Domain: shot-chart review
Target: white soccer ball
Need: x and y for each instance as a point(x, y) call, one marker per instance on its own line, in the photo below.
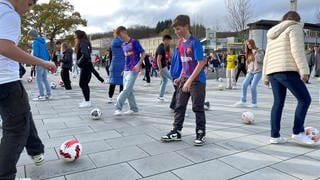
point(95, 114)
point(220, 79)
point(70, 150)
point(221, 87)
point(312, 133)
point(53, 85)
point(248, 117)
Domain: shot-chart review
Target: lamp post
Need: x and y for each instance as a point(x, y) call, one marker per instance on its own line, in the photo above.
point(293, 5)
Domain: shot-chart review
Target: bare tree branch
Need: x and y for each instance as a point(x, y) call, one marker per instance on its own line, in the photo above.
point(238, 13)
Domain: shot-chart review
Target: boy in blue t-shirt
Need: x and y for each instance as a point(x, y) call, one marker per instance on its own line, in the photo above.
point(192, 82)
point(134, 56)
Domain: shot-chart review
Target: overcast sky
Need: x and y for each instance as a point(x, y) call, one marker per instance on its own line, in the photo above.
point(105, 15)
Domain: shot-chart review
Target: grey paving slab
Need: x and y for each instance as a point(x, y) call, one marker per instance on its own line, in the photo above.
point(209, 170)
point(69, 131)
point(163, 176)
point(314, 155)
point(249, 160)
point(301, 167)
point(266, 174)
point(115, 172)
point(58, 168)
point(97, 136)
point(57, 178)
point(129, 141)
point(159, 163)
point(20, 172)
point(158, 147)
point(117, 156)
point(56, 141)
point(94, 147)
point(204, 153)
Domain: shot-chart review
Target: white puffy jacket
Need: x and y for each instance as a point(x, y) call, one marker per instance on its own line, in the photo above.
point(285, 49)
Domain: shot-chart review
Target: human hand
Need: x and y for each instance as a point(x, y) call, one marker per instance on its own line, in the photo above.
point(304, 78)
point(50, 66)
point(176, 81)
point(187, 85)
point(266, 83)
point(160, 73)
point(136, 68)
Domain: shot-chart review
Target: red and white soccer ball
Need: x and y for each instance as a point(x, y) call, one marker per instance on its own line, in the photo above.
point(248, 117)
point(30, 80)
point(70, 150)
point(61, 83)
point(312, 133)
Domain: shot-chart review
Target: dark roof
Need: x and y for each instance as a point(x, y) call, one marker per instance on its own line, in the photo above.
point(227, 34)
point(267, 24)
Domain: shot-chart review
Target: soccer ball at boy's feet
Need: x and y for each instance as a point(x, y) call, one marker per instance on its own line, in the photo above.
point(248, 117)
point(221, 87)
point(30, 79)
point(312, 133)
point(95, 114)
point(70, 150)
point(53, 85)
point(220, 79)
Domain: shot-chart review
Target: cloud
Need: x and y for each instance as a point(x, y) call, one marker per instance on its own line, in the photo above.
point(104, 16)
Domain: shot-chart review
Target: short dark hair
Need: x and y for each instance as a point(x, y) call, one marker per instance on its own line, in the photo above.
point(120, 29)
point(291, 15)
point(166, 37)
point(58, 42)
point(181, 20)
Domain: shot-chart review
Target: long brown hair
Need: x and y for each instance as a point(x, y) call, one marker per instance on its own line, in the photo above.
point(249, 53)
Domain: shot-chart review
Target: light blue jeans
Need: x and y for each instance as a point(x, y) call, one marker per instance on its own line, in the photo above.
point(253, 79)
point(42, 80)
point(164, 79)
point(129, 78)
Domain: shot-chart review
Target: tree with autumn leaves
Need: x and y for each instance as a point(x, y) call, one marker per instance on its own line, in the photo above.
point(56, 19)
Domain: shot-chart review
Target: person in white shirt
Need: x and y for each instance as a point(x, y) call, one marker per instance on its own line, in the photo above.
point(18, 129)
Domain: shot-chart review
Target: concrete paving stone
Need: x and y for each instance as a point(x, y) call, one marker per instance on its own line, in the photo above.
point(58, 168)
point(249, 160)
point(301, 167)
point(53, 125)
point(50, 154)
point(20, 172)
point(45, 116)
point(314, 154)
point(230, 133)
point(94, 147)
point(57, 178)
point(128, 131)
point(159, 163)
point(284, 151)
point(129, 141)
point(61, 119)
point(117, 156)
point(204, 153)
point(163, 176)
point(214, 169)
point(117, 172)
point(108, 126)
point(56, 141)
point(69, 131)
point(266, 174)
point(158, 147)
point(97, 136)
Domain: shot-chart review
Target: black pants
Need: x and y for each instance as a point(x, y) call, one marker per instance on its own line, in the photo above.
point(85, 77)
point(18, 129)
point(147, 74)
point(112, 87)
point(174, 98)
point(107, 68)
point(197, 94)
point(241, 69)
point(95, 73)
point(66, 78)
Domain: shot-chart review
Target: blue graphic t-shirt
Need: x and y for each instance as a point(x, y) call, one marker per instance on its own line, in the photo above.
point(131, 50)
point(190, 52)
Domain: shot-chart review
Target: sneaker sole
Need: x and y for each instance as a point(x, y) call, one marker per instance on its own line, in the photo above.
point(199, 144)
point(304, 144)
point(169, 140)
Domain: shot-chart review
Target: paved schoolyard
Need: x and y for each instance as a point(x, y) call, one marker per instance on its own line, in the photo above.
point(129, 147)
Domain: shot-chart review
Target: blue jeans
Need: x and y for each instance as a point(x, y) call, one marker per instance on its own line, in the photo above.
point(42, 80)
point(254, 80)
point(164, 79)
point(280, 82)
point(129, 78)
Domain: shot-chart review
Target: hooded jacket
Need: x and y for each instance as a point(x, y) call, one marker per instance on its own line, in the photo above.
point(285, 49)
point(39, 49)
point(67, 59)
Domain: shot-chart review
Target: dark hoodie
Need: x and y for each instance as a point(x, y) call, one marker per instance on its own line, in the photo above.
point(67, 59)
point(39, 49)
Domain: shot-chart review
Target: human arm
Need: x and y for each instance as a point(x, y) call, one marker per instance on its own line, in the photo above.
point(10, 50)
point(139, 48)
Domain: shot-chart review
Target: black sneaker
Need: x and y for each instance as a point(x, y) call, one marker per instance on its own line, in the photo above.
point(207, 105)
point(173, 135)
point(200, 138)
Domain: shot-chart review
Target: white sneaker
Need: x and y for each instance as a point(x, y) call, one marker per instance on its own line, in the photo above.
point(38, 159)
point(252, 106)
point(160, 99)
point(39, 98)
point(117, 113)
point(130, 112)
point(49, 97)
point(110, 101)
point(278, 140)
point(239, 104)
point(85, 104)
point(302, 139)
